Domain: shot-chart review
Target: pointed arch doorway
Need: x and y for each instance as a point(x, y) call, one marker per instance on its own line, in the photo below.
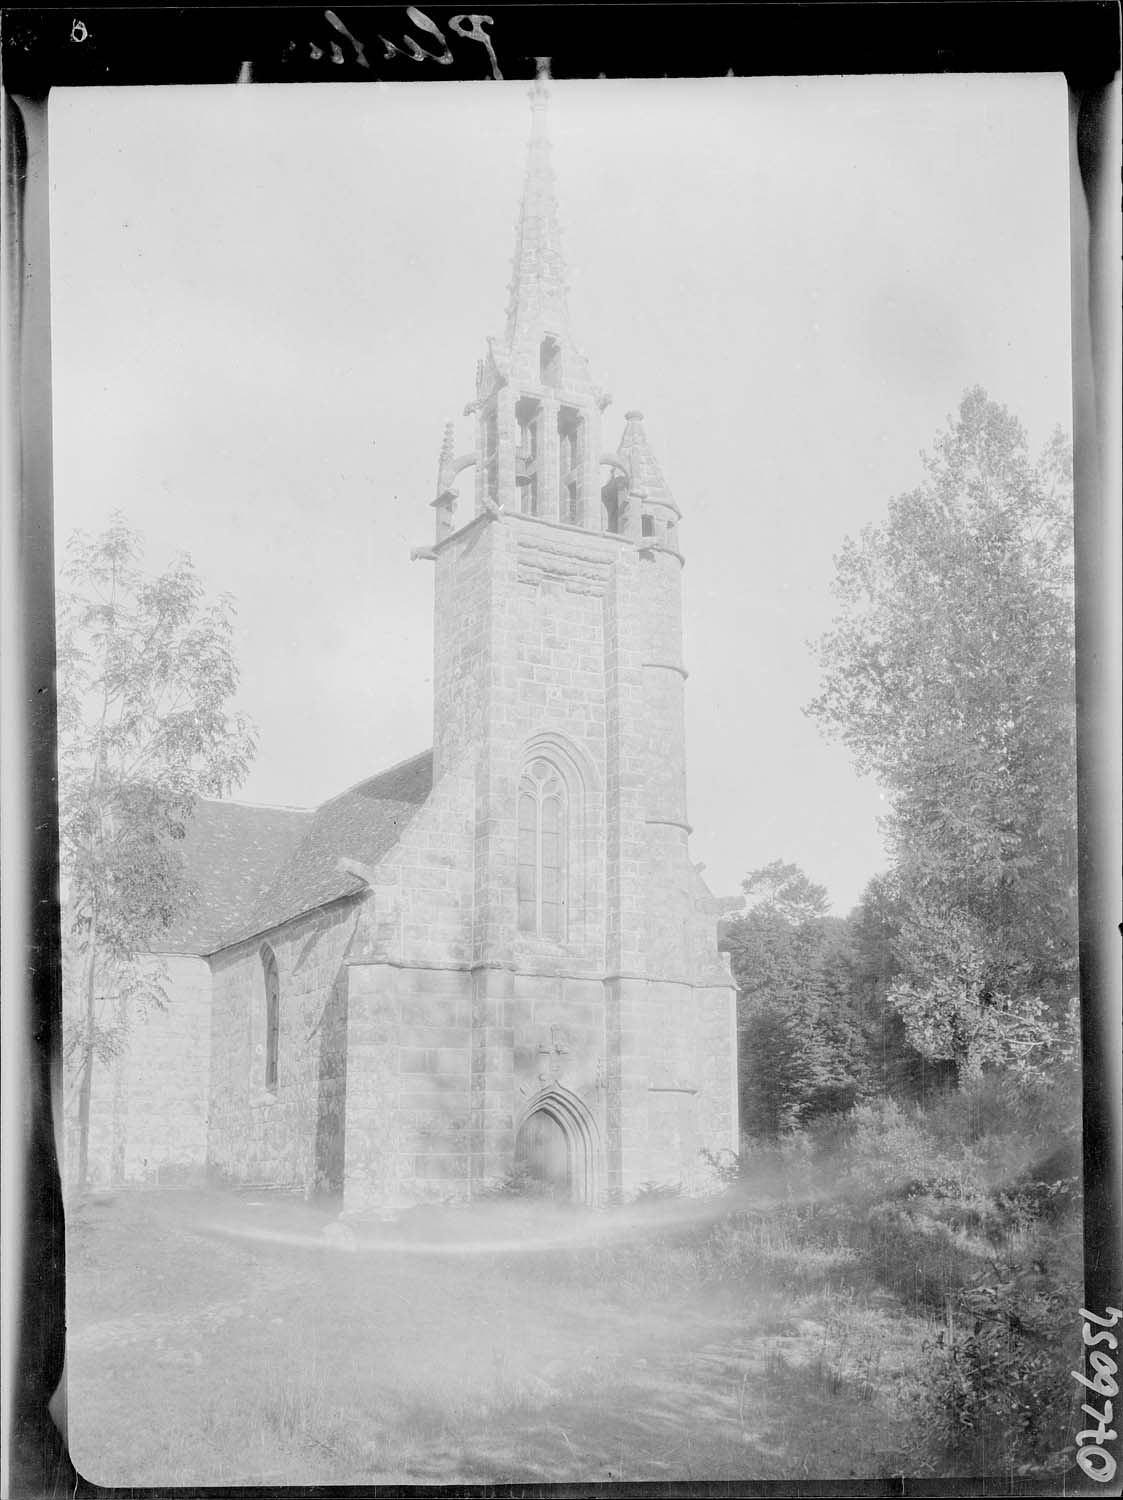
point(555, 1148)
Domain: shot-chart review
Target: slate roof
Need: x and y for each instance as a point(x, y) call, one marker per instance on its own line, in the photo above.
point(232, 851)
point(363, 824)
point(255, 868)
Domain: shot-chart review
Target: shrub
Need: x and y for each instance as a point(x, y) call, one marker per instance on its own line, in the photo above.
point(657, 1192)
point(518, 1182)
point(718, 1171)
point(996, 1395)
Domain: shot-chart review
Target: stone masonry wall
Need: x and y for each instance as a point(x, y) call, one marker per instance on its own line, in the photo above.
point(148, 1108)
point(419, 907)
point(408, 1097)
point(291, 1135)
point(537, 671)
point(409, 1010)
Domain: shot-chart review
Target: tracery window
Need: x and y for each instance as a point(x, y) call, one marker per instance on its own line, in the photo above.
point(272, 1017)
point(541, 870)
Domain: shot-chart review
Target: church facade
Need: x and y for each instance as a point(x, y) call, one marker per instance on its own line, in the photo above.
point(493, 963)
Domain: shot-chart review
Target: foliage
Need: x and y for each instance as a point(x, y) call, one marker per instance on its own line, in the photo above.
point(896, 1066)
point(145, 675)
point(944, 1237)
point(720, 1170)
point(520, 1181)
point(998, 1392)
point(657, 1192)
point(949, 676)
point(968, 1211)
point(801, 1049)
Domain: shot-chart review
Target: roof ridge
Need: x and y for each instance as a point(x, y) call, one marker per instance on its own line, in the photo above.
point(377, 776)
point(264, 806)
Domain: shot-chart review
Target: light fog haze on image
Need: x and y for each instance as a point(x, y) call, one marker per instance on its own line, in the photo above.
point(267, 301)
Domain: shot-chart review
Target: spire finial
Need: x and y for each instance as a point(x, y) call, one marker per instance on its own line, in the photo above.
point(538, 285)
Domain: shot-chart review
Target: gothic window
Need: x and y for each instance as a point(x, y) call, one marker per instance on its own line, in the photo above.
point(541, 870)
point(272, 1017)
point(570, 459)
point(648, 525)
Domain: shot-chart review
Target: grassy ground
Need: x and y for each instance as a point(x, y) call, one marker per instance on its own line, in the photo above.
point(222, 1339)
point(891, 1292)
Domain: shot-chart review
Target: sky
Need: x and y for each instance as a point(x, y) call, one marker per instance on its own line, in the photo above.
point(267, 300)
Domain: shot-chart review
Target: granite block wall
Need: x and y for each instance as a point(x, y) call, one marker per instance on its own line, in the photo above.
point(148, 1107)
point(290, 1135)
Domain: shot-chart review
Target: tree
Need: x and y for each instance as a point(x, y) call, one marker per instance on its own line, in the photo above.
point(949, 674)
point(800, 1053)
point(145, 676)
point(896, 1066)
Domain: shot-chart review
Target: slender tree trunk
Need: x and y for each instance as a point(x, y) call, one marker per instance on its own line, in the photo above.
point(85, 1089)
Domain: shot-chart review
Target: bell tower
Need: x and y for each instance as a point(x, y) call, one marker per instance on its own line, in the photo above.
point(598, 994)
point(537, 411)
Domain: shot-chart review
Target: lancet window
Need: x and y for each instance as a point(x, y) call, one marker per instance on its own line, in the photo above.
point(272, 1017)
point(541, 866)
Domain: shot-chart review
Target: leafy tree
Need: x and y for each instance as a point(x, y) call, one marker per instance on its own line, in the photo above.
point(949, 674)
point(896, 1066)
point(783, 890)
point(145, 676)
point(800, 1054)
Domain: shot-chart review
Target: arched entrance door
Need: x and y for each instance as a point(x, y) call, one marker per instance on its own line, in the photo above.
point(555, 1148)
point(542, 1156)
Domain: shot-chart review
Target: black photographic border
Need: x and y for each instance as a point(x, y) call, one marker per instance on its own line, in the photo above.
point(91, 46)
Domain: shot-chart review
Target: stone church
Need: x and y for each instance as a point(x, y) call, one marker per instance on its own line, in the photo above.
point(494, 962)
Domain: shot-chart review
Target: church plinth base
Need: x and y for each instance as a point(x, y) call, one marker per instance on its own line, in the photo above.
point(491, 1134)
point(628, 1069)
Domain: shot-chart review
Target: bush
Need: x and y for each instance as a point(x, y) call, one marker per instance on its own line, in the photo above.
point(657, 1192)
point(718, 1171)
point(518, 1182)
point(996, 1395)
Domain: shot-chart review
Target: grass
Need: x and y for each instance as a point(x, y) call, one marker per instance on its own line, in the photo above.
point(637, 1359)
point(899, 1304)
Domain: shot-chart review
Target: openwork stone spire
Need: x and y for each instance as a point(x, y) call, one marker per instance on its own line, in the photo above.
point(538, 286)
